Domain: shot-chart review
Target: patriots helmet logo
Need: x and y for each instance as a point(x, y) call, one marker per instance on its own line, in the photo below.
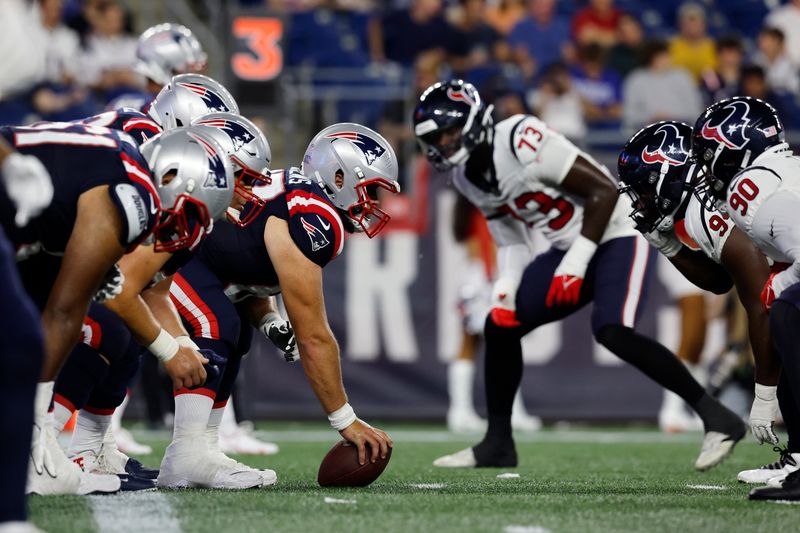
point(729, 130)
point(671, 150)
point(370, 147)
point(216, 168)
point(318, 239)
point(240, 137)
point(212, 100)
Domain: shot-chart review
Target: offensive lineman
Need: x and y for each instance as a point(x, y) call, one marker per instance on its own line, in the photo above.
point(753, 176)
point(656, 173)
point(520, 173)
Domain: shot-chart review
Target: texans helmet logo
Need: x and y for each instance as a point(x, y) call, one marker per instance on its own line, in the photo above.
point(212, 99)
point(370, 147)
point(461, 95)
point(671, 150)
point(730, 130)
point(241, 138)
point(216, 168)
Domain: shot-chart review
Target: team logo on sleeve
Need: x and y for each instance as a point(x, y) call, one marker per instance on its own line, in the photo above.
point(672, 149)
point(212, 100)
point(730, 129)
point(371, 148)
point(318, 239)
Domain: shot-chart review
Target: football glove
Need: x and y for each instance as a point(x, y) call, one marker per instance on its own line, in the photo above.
point(111, 286)
point(214, 367)
point(665, 242)
point(776, 284)
point(763, 414)
point(504, 293)
point(565, 289)
point(281, 334)
point(28, 185)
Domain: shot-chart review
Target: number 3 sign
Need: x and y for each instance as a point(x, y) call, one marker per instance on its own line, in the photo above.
point(263, 58)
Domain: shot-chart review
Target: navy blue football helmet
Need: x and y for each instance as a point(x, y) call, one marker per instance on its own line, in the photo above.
point(726, 139)
point(654, 172)
point(450, 120)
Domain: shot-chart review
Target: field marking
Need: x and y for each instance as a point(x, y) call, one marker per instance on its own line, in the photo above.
point(149, 511)
point(508, 475)
point(525, 529)
point(785, 502)
point(707, 487)
point(428, 486)
point(338, 501)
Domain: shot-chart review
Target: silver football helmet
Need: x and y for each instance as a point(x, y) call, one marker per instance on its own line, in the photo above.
point(351, 163)
point(188, 96)
point(165, 50)
point(250, 156)
point(195, 183)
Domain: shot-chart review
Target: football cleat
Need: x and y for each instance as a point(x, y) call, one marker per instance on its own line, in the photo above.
point(268, 477)
point(716, 447)
point(789, 490)
point(49, 470)
point(465, 421)
point(463, 459)
point(99, 484)
point(785, 465)
point(189, 465)
point(96, 465)
point(120, 462)
point(240, 439)
point(19, 527)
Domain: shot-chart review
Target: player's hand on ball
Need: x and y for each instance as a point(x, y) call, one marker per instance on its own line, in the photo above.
point(28, 185)
point(362, 434)
point(763, 414)
point(186, 368)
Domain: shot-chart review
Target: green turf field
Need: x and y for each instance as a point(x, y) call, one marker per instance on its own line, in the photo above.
point(570, 481)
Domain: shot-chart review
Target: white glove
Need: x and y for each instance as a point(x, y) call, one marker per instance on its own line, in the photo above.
point(280, 332)
point(763, 414)
point(28, 185)
point(111, 287)
point(665, 242)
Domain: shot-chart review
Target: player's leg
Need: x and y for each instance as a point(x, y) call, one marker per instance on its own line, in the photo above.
point(503, 364)
point(624, 268)
point(21, 352)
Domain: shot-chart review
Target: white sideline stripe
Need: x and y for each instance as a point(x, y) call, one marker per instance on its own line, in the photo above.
point(139, 511)
point(707, 487)
point(338, 501)
point(525, 529)
point(427, 486)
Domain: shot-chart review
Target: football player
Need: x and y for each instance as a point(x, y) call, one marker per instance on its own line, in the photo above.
point(656, 173)
point(105, 202)
point(520, 173)
point(299, 231)
point(27, 183)
point(163, 51)
point(750, 174)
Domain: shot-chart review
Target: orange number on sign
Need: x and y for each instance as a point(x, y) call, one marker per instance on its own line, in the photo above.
point(264, 60)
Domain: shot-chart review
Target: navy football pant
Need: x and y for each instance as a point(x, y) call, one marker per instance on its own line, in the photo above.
point(784, 322)
point(21, 355)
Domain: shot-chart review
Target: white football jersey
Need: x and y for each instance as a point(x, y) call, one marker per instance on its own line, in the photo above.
point(764, 201)
point(704, 230)
point(530, 162)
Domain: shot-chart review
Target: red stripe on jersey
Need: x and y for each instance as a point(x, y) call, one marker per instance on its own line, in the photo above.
point(200, 306)
point(142, 177)
point(141, 123)
point(300, 202)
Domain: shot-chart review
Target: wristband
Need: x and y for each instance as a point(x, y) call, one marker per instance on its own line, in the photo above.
point(268, 319)
point(766, 393)
point(164, 347)
point(577, 258)
point(342, 417)
point(186, 342)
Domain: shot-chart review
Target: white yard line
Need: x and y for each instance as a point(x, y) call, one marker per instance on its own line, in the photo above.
point(707, 487)
point(427, 486)
point(140, 511)
point(525, 529)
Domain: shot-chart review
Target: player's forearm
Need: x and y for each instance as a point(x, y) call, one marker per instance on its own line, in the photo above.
point(767, 364)
point(61, 327)
point(254, 309)
point(702, 271)
point(136, 314)
point(598, 208)
point(164, 312)
point(320, 358)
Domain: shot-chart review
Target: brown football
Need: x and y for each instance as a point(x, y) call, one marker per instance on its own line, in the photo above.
point(340, 467)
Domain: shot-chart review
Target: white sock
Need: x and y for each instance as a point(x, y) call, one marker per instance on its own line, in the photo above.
point(212, 430)
point(116, 418)
point(460, 374)
point(90, 429)
point(44, 393)
point(228, 422)
point(61, 415)
point(192, 412)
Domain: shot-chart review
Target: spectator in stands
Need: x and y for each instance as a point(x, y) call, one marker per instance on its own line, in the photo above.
point(109, 53)
point(692, 48)
point(772, 57)
point(787, 19)
point(23, 64)
point(723, 82)
point(484, 45)
point(597, 23)
point(503, 15)
point(400, 36)
point(558, 103)
point(541, 38)
point(658, 90)
point(754, 83)
point(599, 87)
point(60, 98)
point(624, 56)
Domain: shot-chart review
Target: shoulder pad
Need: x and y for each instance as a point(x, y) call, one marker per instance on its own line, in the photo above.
point(138, 125)
point(524, 135)
point(314, 224)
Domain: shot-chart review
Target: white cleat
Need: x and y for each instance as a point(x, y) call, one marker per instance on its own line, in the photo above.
point(716, 447)
point(99, 484)
point(268, 477)
point(465, 421)
point(463, 459)
point(19, 527)
point(187, 465)
point(525, 423)
point(240, 440)
point(49, 470)
point(128, 445)
point(785, 465)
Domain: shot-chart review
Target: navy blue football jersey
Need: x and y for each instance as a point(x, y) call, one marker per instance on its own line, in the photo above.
point(135, 123)
point(81, 157)
point(239, 256)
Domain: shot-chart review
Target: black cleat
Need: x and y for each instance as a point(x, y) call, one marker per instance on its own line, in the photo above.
point(789, 491)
